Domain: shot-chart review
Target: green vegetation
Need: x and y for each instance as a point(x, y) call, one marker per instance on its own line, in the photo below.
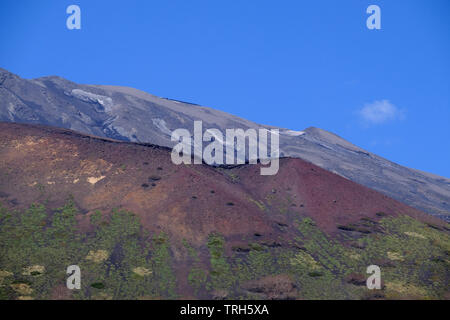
point(220, 274)
point(121, 260)
point(197, 276)
point(417, 261)
point(117, 258)
point(98, 285)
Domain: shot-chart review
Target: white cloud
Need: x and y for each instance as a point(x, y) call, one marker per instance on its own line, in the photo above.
point(379, 112)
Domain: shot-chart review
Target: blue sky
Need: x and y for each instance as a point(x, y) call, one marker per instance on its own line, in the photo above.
point(291, 64)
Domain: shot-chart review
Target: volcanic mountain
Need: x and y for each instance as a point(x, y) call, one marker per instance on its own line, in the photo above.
point(141, 227)
point(132, 115)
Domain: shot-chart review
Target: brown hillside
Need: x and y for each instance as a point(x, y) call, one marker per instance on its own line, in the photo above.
point(187, 202)
point(40, 163)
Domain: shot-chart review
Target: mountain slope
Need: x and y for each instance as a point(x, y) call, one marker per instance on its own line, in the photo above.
point(132, 115)
point(197, 231)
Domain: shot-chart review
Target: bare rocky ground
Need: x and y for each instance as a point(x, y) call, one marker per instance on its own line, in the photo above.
point(132, 115)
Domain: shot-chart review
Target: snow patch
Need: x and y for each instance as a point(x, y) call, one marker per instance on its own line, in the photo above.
point(293, 133)
point(11, 111)
point(105, 102)
point(161, 125)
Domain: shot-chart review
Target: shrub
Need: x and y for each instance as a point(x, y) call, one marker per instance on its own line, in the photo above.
point(98, 285)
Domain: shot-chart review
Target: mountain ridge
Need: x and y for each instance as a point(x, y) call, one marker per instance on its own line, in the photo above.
point(129, 114)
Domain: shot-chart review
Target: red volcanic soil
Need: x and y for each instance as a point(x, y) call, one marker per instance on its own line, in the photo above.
point(40, 163)
point(329, 199)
